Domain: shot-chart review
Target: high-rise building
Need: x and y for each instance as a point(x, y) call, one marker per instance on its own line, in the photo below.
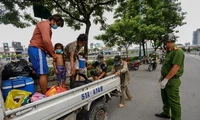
point(196, 37)
point(5, 47)
point(18, 47)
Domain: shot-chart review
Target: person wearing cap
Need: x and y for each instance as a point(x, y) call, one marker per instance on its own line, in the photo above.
point(71, 53)
point(120, 68)
point(40, 45)
point(171, 71)
point(100, 68)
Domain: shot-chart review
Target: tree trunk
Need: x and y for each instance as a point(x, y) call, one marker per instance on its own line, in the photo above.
point(126, 52)
point(143, 46)
point(87, 29)
point(144, 52)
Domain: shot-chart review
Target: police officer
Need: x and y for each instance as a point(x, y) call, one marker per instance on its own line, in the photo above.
point(171, 71)
point(100, 68)
point(120, 68)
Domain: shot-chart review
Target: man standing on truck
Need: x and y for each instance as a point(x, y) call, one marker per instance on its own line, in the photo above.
point(100, 68)
point(120, 68)
point(40, 45)
point(171, 71)
point(71, 54)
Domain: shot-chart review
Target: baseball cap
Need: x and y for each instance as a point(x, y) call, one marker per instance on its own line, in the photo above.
point(169, 37)
point(117, 58)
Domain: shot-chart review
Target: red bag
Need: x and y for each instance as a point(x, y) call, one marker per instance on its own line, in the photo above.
point(55, 90)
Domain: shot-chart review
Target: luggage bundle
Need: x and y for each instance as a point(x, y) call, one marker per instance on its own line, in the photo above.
point(18, 68)
point(76, 83)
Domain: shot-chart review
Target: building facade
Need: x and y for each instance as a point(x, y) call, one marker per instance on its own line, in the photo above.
point(196, 37)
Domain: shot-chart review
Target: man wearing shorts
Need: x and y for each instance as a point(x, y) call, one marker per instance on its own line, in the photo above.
point(40, 45)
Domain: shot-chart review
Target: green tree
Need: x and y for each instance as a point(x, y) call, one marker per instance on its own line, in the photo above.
point(156, 17)
point(19, 56)
point(76, 13)
point(13, 56)
point(4, 56)
point(96, 49)
point(120, 33)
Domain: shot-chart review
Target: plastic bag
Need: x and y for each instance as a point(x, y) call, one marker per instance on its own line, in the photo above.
point(14, 69)
point(76, 64)
point(15, 98)
point(55, 90)
point(37, 96)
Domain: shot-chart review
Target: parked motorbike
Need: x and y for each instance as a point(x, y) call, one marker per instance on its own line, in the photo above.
point(152, 64)
point(162, 59)
point(134, 66)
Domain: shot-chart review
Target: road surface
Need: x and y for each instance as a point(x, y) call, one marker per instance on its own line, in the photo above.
point(146, 91)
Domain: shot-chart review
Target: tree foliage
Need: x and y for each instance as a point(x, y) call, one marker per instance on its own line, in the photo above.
point(156, 17)
point(121, 33)
point(76, 13)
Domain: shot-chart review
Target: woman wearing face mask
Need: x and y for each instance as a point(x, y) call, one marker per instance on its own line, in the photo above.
point(71, 54)
point(120, 68)
point(40, 45)
point(100, 68)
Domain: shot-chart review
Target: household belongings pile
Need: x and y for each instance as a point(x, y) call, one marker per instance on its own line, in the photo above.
point(18, 86)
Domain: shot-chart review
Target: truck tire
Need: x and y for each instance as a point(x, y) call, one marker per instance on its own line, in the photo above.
point(98, 111)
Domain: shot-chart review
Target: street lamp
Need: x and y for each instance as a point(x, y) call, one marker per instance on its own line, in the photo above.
point(140, 53)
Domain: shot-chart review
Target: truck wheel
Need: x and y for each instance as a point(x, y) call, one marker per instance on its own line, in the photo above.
point(98, 111)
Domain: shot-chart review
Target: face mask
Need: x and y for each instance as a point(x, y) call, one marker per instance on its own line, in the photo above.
point(117, 64)
point(80, 45)
point(54, 26)
point(58, 51)
point(98, 61)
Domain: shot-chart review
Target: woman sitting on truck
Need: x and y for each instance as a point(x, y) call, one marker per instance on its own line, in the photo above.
point(100, 68)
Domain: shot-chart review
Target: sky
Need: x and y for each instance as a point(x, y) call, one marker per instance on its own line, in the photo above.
point(65, 35)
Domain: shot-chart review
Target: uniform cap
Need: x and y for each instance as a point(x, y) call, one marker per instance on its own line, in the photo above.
point(169, 37)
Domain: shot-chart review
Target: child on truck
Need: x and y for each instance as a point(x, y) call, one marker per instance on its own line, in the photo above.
point(59, 65)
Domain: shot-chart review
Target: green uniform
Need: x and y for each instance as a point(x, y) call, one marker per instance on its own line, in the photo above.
point(124, 79)
point(170, 94)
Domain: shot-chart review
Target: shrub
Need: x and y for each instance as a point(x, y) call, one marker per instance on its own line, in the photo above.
point(110, 68)
point(109, 61)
